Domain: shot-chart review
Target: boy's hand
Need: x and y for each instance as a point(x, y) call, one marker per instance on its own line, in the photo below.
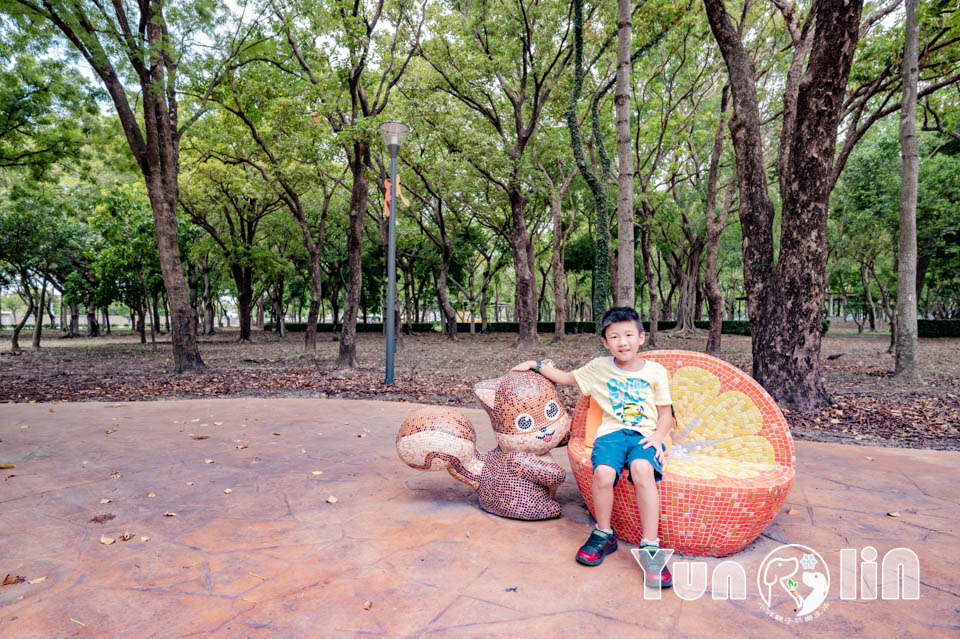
point(528, 365)
point(656, 441)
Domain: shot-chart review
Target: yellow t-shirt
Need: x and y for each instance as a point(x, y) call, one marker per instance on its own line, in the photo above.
point(629, 399)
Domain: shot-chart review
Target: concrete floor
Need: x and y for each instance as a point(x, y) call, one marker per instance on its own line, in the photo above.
point(401, 553)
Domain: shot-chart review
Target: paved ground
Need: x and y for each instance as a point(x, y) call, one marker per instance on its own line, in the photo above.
point(401, 553)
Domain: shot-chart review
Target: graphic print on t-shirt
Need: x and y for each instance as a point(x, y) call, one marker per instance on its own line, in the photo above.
point(626, 399)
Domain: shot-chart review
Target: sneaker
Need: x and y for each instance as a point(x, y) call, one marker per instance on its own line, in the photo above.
point(655, 572)
point(599, 544)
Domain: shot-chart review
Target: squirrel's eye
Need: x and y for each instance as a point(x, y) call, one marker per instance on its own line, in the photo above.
point(551, 410)
point(523, 422)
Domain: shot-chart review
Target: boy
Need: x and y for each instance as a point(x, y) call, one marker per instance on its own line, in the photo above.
point(634, 394)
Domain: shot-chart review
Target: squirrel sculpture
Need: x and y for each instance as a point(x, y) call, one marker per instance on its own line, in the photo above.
point(519, 477)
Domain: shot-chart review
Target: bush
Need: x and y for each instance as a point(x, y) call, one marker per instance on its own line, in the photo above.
point(742, 327)
point(938, 328)
point(327, 327)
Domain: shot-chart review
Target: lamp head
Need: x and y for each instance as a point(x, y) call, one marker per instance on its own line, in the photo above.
point(394, 133)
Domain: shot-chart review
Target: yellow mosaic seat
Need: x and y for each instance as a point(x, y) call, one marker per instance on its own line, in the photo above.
point(729, 464)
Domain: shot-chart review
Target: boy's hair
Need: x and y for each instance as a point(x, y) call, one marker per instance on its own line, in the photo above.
point(619, 314)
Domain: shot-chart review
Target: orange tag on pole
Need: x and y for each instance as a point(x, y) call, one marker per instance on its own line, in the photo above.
point(386, 199)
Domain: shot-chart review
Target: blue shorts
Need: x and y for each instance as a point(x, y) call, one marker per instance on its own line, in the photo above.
point(618, 450)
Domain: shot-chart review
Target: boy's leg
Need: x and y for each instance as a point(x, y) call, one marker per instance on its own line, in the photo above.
point(604, 477)
point(648, 497)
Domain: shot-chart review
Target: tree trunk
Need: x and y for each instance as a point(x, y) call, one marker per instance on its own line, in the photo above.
point(689, 276)
point(625, 245)
point(907, 366)
point(74, 318)
point(243, 280)
point(15, 338)
point(316, 296)
point(559, 279)
point(38, 320)
point(785, 301)
point(868, 296)
point(648, 272)
point(347, 355)
point(714, 229)
point(93, 327)
point(525, 290)
point(194, 293)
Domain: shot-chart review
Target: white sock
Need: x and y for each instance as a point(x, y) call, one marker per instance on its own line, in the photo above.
point(650, 542)
point(608, 531)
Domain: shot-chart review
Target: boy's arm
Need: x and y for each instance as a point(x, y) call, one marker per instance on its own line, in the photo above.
point(664, 424)
point(548, 370)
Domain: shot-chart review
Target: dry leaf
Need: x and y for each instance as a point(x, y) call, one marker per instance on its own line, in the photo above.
point(361, 434)
point(317, 472)
point(169, 514)
point(194, 420)
point(203, 424)
point(79, 622)
point(870, 459)
point(253, 574)
point(25, 426)
point(208, 461)
point(893, 514)
point(127, 536)
point(332, 500)
point(38, 580)
point(189, 483)
point(793, 511)
point(8, 465)
point(116, 406)
point(100, 519)
point(151, 494)
point(115, 475)
point(303, 451)
point(143, 539)
point(276, 433)
point(109, 432)
point(241, 446)
point(227, 490)
point(367, 605)
point(198, 437)
point(218, 423)
point(10, 580)
point(106, 541)
point(105, 501)
point(85, 463)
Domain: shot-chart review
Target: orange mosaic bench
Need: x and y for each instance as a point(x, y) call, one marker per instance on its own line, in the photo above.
point(729, 463)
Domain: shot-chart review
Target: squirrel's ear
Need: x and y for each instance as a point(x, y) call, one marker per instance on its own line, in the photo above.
point(486, 391)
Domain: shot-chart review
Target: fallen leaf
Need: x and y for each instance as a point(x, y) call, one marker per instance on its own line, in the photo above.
point(870, 459)
point(189, 483)
point(253, 574)
point(127, 536)
point(332, 500)
point(116, 406)
point(203, 424)
point(79, 622)
point(85, 463)
point(105, 501)
point(38, 580)
point(191, 436)
point(241, 446)
point(106, 541)
point(276, 433)
point(208, 461)
point(194, 420)
point(793, 511)
point(166, 514)
point(218, 423)
point(227, 490)
point(11, 580)
point(25, 426)
point(143, 539)
point(303, 451)
point(367, 605)
point(51, 410)
point(893, 514)
point(151, 494)
point(115, 475)
point(317, 472)
point(109, 432)
point(8, 465)
point(361, 434)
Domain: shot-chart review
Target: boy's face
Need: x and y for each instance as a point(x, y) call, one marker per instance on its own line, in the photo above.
point(623, 340)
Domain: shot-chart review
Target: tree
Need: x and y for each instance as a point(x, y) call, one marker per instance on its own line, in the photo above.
point(907, 366)
point(503, 72)
point(785, 300)
point(626, 253)
point(152, 48)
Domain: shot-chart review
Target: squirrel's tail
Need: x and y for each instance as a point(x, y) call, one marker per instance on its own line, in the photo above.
point(438, 438)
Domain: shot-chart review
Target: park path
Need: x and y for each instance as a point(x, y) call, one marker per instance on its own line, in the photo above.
point(397, 552)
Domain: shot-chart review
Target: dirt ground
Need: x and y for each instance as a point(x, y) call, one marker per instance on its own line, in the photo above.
point(867, 407)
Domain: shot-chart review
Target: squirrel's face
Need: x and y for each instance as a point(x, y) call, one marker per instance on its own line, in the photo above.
point(525, 412)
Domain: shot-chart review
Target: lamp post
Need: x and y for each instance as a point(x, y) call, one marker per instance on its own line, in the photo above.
point(393, 135)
